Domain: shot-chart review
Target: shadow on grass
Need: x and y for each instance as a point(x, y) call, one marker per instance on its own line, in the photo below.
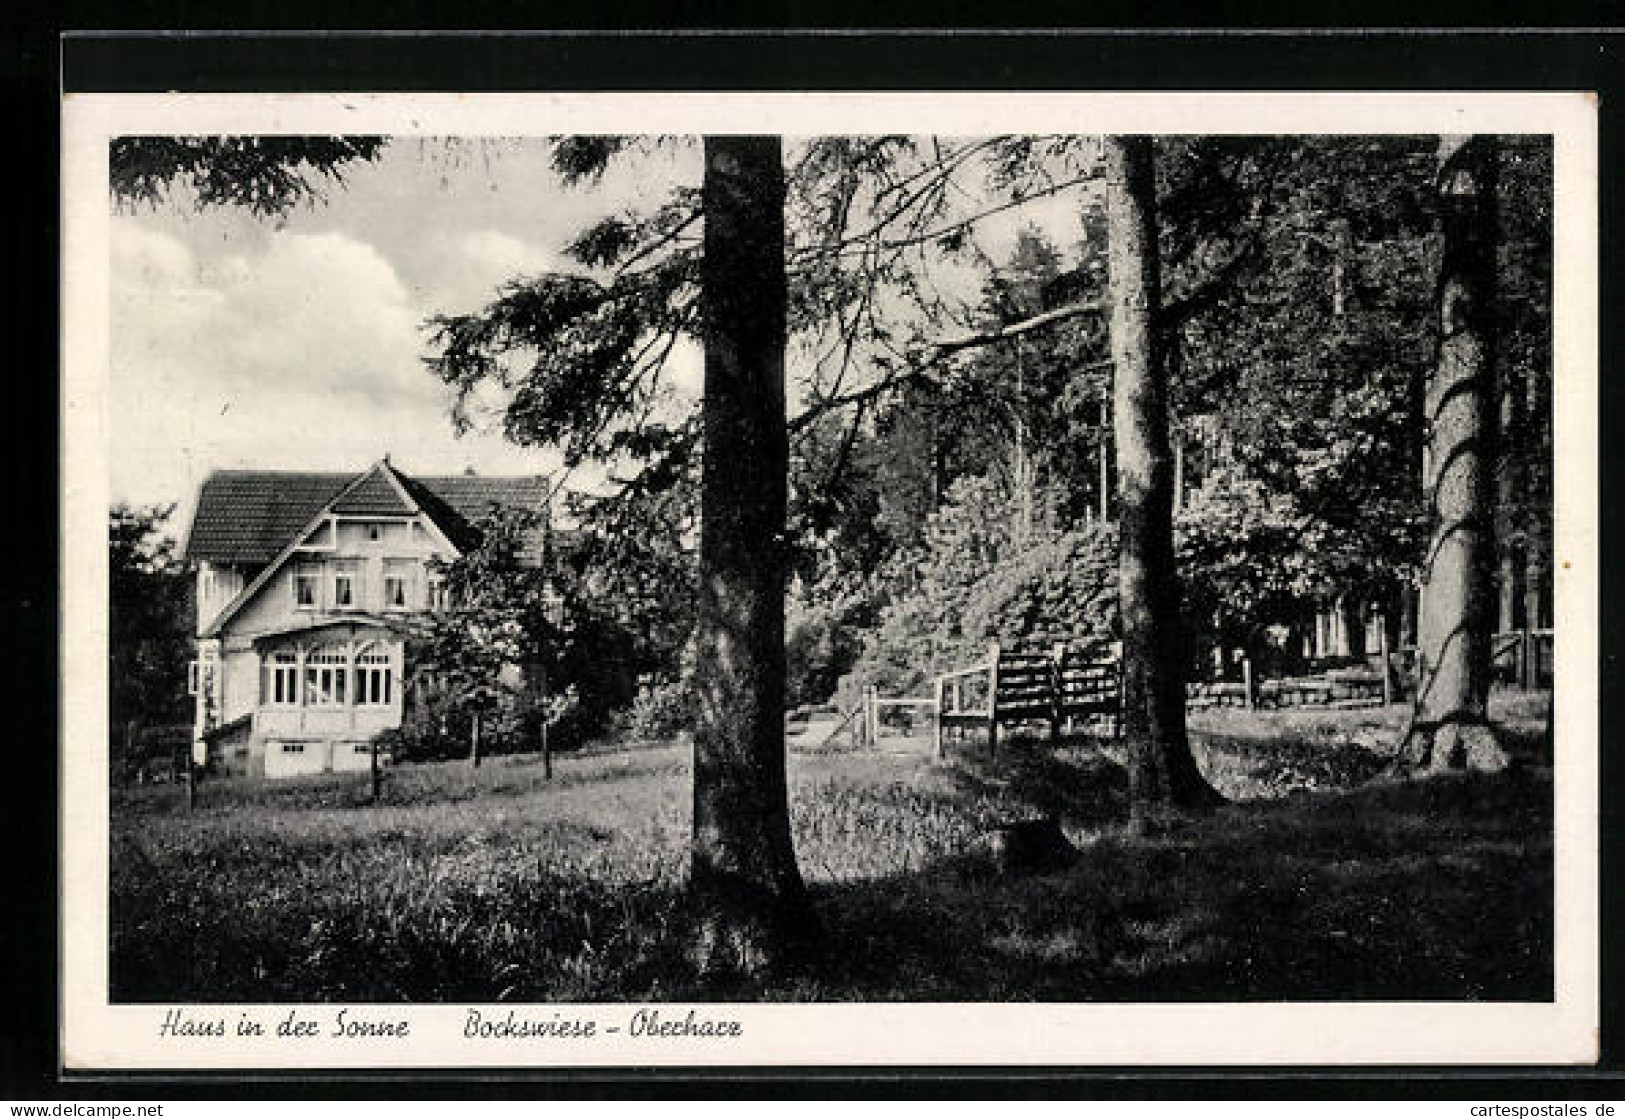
point(1430, 890)
point(1377, 893)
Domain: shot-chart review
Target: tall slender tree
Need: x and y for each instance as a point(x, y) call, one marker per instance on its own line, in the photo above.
point(1163, 776)
point(744, 878)
point(1450, 726)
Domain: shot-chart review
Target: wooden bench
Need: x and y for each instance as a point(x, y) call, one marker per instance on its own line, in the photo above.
point(1338, 688)
point(1087, 688)
point(1011, 688)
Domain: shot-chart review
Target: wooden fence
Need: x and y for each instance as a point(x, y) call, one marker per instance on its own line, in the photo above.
point(1064, 686)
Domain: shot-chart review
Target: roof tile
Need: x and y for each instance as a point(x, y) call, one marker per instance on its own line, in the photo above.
point(248, 517)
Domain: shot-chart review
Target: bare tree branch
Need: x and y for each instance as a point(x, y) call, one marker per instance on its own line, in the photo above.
point(1016, 329)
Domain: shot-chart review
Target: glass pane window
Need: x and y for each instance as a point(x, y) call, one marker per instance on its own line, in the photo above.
point(304, 590)
point(325, 677)
point(399, 584)
point(372, 678)
point(343, 589)
point(282, 678)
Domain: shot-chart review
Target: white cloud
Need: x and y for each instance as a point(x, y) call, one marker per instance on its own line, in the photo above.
point(508, 256)
point(297, 344)
point(303, 353)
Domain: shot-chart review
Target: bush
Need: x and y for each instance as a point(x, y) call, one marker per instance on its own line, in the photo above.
point(1061, 589)
point(569, 723)
point(156, 753)
point(822, 642)
point(661, 711)
point(438, 724)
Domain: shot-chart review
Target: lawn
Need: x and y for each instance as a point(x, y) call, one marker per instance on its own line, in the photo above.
point(495, 884)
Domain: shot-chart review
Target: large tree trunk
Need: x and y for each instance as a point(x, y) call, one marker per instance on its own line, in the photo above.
point(751, 904)
point(1163, 777)
point(1537, 522)
point(1509, 487)
point(1450, 727)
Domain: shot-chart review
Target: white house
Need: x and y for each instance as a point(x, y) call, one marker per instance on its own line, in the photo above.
point(307, 587)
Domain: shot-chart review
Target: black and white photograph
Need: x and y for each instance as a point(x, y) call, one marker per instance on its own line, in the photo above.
point(596, 584)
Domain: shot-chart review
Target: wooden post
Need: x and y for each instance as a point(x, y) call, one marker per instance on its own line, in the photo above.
point(474, 746)
point(1117, 717)
point(1526, 658)
point(993, 700)
point(1057, 688)
point(1104, 469)
point(191, 779)
point(547, 746)
point(871, 724)
point(1179, 469)
point(1247, 682)
point(1387, 666)
point(939, 690)
point(373, 769)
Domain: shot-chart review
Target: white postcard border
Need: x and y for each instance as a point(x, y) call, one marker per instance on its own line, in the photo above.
point(96, 1035)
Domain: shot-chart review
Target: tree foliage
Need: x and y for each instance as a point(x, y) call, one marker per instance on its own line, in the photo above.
point(266, 175)
point(149, 631)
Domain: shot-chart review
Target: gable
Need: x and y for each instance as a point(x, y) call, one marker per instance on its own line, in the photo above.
point(373, 496)
point(240, 510)
point(249, 517)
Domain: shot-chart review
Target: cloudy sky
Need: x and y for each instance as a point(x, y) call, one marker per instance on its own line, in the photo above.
point(297, 344)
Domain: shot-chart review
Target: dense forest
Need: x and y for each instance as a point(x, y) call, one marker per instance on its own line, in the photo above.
point(946, 495)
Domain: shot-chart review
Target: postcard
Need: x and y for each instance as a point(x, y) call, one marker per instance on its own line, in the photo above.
point(839, 579)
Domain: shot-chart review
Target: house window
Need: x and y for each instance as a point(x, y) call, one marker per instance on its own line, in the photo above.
point(363, 747)
point(372, 679)
point(343, 590)
point(374, 532)
point(293, 747)
point(304, 589)
point(397, 584)
point(439, 598)
point(282, 678)
point(326, 670)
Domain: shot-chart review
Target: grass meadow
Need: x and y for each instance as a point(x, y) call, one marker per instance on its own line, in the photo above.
point(495, 884)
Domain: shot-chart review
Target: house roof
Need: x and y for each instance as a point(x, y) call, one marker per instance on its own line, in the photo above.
point(250, 517)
